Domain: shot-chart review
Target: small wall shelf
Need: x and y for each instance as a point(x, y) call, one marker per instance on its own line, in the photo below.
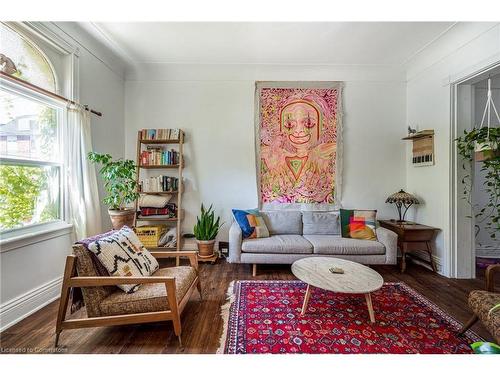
point(423, 147)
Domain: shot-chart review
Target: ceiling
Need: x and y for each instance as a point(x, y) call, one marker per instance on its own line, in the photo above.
point(335, 43)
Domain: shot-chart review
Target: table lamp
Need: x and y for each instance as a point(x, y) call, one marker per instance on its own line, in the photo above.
point(402, 199)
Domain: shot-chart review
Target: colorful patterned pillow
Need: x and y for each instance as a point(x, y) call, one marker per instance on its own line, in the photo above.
point(122, 254)
point(359, 224)
point(251, 223)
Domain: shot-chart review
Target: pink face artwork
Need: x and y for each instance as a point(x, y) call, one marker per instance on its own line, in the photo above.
point(299, 121)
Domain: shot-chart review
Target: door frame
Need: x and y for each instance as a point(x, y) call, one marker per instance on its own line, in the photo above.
point(462, 259)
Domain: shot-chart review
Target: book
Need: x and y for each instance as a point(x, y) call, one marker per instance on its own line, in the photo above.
point(161, 134)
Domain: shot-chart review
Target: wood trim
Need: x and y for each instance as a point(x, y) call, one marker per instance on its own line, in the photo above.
point(186, 297)
point(87, 281)
point(490, 276)
point(114, 320)
point(192, 255)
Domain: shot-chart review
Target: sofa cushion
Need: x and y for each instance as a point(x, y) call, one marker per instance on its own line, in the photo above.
point(278, 244)
point(251, 222)
point(336, 245)
point(321, 222)
point(283, 222)
point(359, 224)
point(150, 297)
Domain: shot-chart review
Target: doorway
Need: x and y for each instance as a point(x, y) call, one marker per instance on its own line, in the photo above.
point(472, 245)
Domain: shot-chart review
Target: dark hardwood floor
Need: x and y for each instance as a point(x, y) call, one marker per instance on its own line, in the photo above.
point(201, 321)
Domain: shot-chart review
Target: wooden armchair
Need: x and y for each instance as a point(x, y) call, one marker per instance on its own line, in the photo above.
point(481, 302)
point(161, 296)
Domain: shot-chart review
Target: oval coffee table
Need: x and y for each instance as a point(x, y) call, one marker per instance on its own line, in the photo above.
point(356, 279)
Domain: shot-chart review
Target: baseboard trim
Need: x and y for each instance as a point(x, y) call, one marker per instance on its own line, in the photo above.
point(488, 252)
point(19, 308)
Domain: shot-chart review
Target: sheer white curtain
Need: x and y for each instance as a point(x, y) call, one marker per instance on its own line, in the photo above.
point(84, 207)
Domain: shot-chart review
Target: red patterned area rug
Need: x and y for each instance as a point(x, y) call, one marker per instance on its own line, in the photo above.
point(264, 317)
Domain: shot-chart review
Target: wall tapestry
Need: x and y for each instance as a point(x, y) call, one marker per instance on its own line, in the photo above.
point(298, 144)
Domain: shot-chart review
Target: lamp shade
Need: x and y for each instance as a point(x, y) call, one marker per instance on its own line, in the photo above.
point(402, 197)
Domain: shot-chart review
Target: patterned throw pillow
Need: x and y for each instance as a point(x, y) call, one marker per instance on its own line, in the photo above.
point(359, 224)
point(251, 223)
point(122, 254)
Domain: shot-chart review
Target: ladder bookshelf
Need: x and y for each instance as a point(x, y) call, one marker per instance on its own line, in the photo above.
point(178, 167)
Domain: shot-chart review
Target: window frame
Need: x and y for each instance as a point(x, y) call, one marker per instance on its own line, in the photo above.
point(45, 36)
point(46, 100)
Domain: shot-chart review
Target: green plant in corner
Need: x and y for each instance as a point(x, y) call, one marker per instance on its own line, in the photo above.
point(490, 213)
point(119, 180)
point(206, 227)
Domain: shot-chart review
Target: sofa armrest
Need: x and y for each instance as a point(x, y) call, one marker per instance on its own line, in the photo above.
point(390, 240)
point(235, 239)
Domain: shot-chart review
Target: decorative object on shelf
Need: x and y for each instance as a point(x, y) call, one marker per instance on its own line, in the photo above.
point(7, 65)
point(402, 199)
point(423, 147)
point(157, 203)
point(482, 144)
point(120, 183)
point(205, 230)
point(299, 139)
point(411, 131)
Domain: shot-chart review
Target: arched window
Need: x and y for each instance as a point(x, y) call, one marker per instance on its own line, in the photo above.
point(31, 63)
point(31, 161)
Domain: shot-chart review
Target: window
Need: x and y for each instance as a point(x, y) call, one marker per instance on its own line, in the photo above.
point(31, 163)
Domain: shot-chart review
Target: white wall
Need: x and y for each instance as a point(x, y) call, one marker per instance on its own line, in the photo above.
point(467, 48)
point(31, 273)
point(214, 104)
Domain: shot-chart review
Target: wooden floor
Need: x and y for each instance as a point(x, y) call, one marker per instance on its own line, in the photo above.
point(201, 321)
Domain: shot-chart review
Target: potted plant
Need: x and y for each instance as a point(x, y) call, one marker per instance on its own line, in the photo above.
point(121, 186)
point(205, 231)
point(467, 147)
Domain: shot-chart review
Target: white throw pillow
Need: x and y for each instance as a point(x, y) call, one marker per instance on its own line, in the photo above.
point(155, 201)
point(123, 254)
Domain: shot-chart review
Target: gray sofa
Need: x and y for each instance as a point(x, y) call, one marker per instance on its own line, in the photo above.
point(295, 235)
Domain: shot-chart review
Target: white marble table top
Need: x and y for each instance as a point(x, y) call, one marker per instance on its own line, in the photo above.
point(356, 278)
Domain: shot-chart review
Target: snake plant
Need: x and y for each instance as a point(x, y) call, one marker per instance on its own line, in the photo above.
point(206, 227)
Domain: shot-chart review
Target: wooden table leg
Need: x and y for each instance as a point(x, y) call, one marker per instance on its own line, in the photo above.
point(404, 248)
point(431, 258)
point(306, 300)
point(368, 298)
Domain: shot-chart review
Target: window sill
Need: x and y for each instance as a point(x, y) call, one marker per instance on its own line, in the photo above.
point(24, 238)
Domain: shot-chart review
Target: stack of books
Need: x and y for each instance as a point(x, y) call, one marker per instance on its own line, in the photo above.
point(159, 183)
point(160, 134)
point(168, 212)
point(155, 155)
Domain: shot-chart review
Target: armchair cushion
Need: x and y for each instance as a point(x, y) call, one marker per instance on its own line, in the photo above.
point(150, 297)
point(122, 254)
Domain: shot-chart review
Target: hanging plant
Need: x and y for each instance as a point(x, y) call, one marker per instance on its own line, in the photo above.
point(467, 147)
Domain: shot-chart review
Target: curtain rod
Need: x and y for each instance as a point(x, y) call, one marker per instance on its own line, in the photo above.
point(44, 91)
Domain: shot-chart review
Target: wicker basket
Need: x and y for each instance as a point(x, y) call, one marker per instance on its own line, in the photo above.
point(150, 234)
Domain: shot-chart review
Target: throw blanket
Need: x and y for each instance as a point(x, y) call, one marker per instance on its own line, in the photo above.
point(76, 296)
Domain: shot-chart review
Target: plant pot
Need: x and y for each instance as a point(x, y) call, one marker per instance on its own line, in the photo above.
point(120, 218)
point(484, 151)
point(205, 248)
